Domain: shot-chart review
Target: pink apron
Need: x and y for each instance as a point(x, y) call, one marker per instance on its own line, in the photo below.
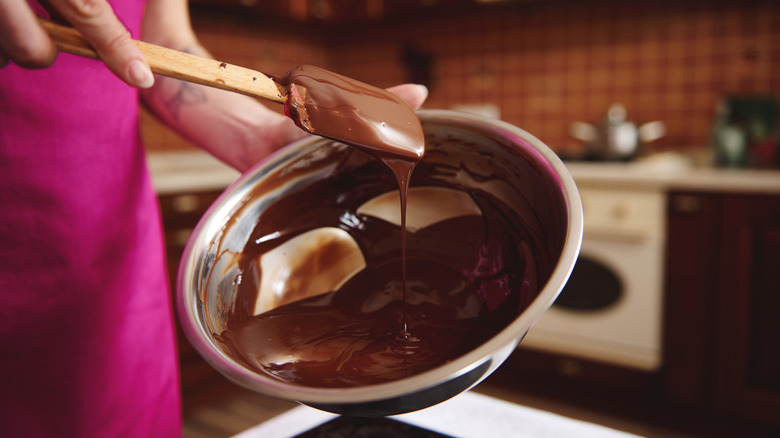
point(86, 331)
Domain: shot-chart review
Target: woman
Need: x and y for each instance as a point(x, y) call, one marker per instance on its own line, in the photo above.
point(86, 326)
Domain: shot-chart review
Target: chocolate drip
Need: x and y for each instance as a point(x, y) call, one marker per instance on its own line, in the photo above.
point(361, 115)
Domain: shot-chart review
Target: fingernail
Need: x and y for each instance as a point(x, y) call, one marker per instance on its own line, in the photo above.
point(424, 90)
point(140, 74)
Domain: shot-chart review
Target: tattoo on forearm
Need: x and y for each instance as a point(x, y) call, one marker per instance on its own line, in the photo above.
point(186, 94)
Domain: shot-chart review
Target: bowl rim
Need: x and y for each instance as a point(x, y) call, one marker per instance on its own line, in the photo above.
point(191, 319)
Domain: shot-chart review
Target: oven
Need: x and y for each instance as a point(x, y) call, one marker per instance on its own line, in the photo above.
point(611, 308)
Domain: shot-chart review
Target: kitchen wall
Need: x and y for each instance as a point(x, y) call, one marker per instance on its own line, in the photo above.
point(542, 64)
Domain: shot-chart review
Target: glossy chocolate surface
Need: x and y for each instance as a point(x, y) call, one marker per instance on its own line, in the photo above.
point(340, 108)
point(469, 274)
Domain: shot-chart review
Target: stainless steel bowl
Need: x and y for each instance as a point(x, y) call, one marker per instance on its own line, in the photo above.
point(532, 181)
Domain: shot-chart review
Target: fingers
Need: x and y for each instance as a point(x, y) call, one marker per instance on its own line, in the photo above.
point(412, 94)
point(22, 40)
point(96, 20)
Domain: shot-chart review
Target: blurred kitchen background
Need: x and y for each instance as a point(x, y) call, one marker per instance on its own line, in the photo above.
point(665, 112)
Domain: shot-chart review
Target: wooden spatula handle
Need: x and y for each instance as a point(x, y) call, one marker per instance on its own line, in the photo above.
point(179, 65)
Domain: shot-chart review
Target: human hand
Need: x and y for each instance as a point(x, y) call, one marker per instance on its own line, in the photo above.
point(412, 94)
point(24, 42)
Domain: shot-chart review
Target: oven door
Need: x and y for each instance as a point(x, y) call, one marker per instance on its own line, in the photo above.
point(611, 308)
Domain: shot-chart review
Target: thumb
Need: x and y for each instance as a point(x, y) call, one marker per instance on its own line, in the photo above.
point(412, 94)
point(99, 25)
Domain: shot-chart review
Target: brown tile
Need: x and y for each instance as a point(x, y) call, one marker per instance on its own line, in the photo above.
point(513, 85)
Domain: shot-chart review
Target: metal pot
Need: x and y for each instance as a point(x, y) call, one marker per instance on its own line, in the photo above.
point(616, 138)
point(517, 169)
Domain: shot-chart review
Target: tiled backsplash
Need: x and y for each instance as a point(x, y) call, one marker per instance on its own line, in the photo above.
point(545, 64)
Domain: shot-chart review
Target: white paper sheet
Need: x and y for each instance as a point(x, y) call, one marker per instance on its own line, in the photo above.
point(469, 415)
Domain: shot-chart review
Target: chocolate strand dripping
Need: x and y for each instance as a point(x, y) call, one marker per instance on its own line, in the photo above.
point(366, 117)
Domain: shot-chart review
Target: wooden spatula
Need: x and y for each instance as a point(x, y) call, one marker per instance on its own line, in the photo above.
point(179, 65)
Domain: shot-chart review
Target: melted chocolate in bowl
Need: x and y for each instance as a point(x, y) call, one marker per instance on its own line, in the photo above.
point(470, 273)
point(465, 283)
point(353, 353)
point(292, 280)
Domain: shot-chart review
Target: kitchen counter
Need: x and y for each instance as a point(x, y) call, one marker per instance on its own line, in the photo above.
point(191, 171)
point(188, 171)
point(672, 172)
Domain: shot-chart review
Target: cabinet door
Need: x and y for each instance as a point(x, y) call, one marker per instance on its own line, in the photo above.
point(747, 365)
point(693, 226)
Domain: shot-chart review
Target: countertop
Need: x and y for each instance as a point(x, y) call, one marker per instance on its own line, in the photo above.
point(192, 171)
point(188, 171)
point(671, 172)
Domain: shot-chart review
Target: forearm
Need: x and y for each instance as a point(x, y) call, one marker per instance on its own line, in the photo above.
point(236, 129)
